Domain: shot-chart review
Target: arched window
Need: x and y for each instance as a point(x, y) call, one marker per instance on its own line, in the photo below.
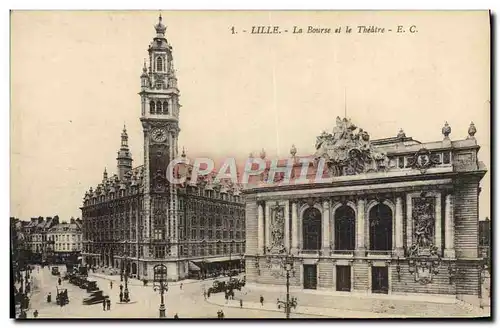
point(158, 107)
point(311, 229)
point(380, 228)
point(345, 230)
point(159, 64)
point(152, 107)
point(165, 107)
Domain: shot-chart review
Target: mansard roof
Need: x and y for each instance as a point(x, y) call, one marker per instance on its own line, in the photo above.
point(132, 182)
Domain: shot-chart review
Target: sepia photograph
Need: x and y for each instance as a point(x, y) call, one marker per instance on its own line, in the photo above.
point(267, 164)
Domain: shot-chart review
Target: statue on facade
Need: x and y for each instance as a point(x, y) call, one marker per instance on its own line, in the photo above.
point(348, 152)
point(278, 228)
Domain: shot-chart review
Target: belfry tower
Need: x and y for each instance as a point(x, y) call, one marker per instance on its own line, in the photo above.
point(160, 122)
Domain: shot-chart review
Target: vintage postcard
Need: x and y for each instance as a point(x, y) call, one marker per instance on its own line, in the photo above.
point(250, 164)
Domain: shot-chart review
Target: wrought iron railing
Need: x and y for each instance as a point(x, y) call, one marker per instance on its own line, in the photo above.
point(379, 252)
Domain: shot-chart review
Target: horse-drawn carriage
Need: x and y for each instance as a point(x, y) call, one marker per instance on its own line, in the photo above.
point(62, 297)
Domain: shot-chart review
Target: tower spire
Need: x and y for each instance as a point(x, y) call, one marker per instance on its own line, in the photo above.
point(124, 159)
point(160, 28)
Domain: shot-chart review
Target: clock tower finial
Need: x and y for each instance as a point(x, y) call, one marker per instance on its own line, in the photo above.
point(124, 158)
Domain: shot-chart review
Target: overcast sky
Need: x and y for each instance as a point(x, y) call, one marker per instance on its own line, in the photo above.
point(75, 79)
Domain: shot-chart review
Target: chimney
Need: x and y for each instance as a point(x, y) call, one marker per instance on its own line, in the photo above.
point(40, 219)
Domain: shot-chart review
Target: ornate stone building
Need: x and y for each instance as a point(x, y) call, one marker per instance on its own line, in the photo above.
point(136, 219)
point(64, 240)
point(392, 215)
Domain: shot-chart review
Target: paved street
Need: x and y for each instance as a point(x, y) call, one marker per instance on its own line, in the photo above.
point(189, 302)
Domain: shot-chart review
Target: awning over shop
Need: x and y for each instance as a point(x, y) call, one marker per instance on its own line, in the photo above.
point(193, 267)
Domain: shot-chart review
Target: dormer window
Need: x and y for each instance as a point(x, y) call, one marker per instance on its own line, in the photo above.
point(159, 64)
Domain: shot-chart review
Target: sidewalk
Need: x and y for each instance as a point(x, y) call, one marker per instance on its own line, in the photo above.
point(329, 292)
point(348, 305)
point(218, 299)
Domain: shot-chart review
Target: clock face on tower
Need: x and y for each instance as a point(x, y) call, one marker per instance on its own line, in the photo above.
point(159, 135)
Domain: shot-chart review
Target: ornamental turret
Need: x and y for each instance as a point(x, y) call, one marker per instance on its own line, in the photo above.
point(124, 158)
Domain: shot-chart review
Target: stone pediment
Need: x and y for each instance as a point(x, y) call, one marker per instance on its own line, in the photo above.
point(348, 151)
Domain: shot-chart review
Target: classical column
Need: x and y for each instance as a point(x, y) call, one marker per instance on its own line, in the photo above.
point(295, 232)
point(409, 221)
point(449, 239)
point(260, 228)
point(332, 225)
point(326, 227)
point(287, 225)
point(267, 222)
point(399, 227)
point(360, 228)
point(438, 222)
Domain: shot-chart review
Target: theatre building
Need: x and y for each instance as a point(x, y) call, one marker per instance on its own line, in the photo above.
point(136, 219)
point(392, 215)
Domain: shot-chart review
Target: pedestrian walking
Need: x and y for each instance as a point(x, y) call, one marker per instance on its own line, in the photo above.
point(108, 304)
point(121, 297)
point(59, 281)
point(204, 294)
point(226, 297)
point(104, 304)
point(181, 285)
point(49, 298)
point(35, 314)
point(261, 300)
point(111, 285)
point(176, 316)
point(241, 304)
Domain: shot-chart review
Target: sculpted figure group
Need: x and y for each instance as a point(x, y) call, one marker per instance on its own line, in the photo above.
point(349, 152)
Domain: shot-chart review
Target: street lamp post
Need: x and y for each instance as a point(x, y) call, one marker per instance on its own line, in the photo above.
point(231, 245)
point(204, 254)
point(285, 263)
point(125, 272)
point(160, 284)
point(242, 260)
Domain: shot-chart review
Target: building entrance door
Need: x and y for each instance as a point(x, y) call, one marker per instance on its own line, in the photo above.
point(380, 280)
point(343, 278)
point(310, 278)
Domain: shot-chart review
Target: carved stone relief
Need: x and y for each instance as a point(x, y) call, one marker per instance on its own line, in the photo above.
point(347, 152)
point(424, 220)
point(277, 228)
